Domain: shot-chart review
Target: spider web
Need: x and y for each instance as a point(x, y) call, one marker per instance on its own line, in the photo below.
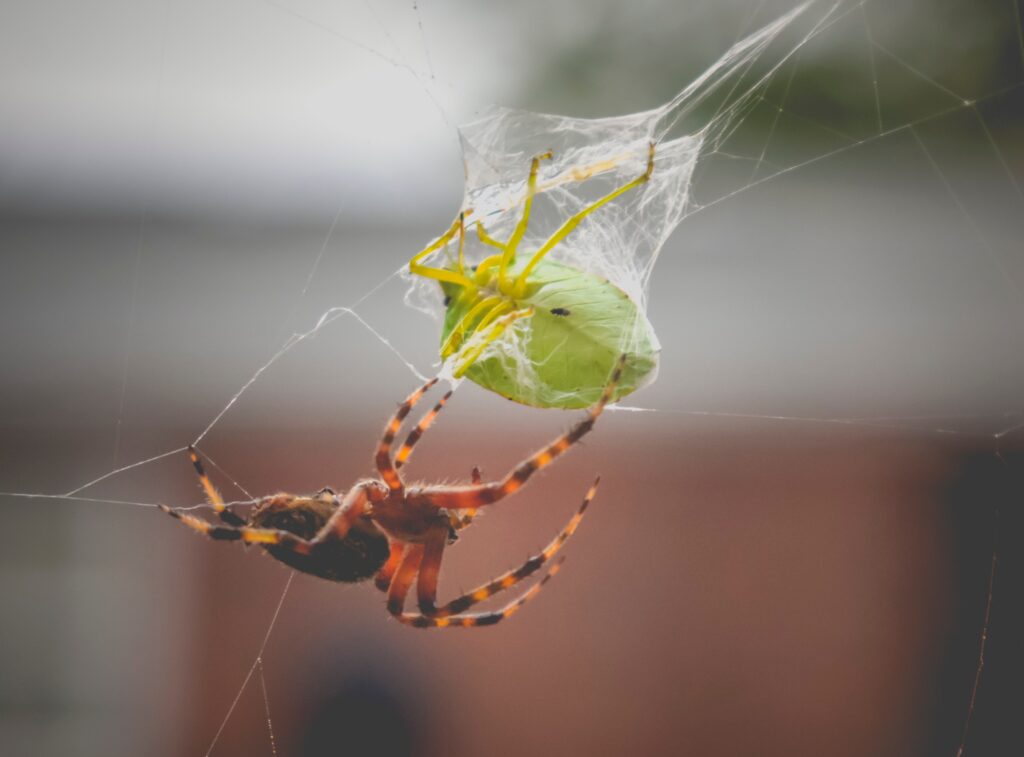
point(736, 113)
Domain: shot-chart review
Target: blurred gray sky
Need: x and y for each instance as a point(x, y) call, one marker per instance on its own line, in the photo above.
point(292, 108)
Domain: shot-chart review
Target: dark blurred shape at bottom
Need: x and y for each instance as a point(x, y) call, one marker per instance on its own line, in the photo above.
point(985, 493)
point(361, 715)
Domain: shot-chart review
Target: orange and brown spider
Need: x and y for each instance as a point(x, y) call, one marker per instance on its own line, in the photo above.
point(394, 532)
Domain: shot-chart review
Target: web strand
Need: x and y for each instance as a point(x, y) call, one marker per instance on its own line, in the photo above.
point(256, 663)
point(982, 643)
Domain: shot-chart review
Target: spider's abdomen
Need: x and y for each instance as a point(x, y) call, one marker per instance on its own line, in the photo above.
point(357, 557)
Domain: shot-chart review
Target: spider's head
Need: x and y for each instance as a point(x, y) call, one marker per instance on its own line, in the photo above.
point(358, 556)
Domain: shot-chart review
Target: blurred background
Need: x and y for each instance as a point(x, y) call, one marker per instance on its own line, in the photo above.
point(790, 554)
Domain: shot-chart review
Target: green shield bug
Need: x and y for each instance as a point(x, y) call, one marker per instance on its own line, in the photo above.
point(536, 330)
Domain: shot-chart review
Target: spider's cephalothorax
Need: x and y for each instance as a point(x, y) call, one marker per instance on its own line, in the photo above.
point(397, 535)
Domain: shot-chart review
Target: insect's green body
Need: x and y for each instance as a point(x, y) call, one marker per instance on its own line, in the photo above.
point(580, 325)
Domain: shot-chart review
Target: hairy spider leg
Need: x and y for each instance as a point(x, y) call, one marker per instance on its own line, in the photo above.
point(245, 534)
point(462, 519)
point(387, 469)
point(417, 433)
point(571, 223)
point(468, 497)
point(452, 612)
point(402, 581)
point(212, 495)
point(458, 522)
point(441, 274)
point(430, 567)
point(383, 578)
point(479, 619)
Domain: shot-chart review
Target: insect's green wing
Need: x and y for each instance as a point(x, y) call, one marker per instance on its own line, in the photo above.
point(580, 326)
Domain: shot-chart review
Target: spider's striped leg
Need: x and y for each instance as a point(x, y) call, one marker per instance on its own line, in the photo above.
point(573, 221)
point(212, 495)
point(451, 614)
point(345, 515)
point(387, 469)
point(383, 578)
point(462, 519)
point(417, 433)
point(402, 582)
point(268, 537)
point(430, 567)
point(468, 497)
point(479, 619)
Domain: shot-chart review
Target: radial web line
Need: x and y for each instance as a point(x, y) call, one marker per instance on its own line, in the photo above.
point(335, 33)
point(252, 669)
point(970, 220)
point(982, 643)
point(999, 154)
point(124, 468)
point(140, 243)
point(775, 118)
point(423, 39)
point(845, 148)
point(327, 318)
point(366, 48)
point(228, 476)
point(920, 74)
point(874, 66)
point(266, 708)
point(879, 423)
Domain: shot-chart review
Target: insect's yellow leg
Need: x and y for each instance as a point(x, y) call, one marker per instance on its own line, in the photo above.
point(519, 287)
point(483, 274)
point(462, 244)
point(440, 274)
point(455, 338)
point(509, 255)
point(499, 309)
point(481, 340)
point(487, 238)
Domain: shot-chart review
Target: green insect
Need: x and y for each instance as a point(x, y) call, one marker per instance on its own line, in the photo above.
point(574, 324)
